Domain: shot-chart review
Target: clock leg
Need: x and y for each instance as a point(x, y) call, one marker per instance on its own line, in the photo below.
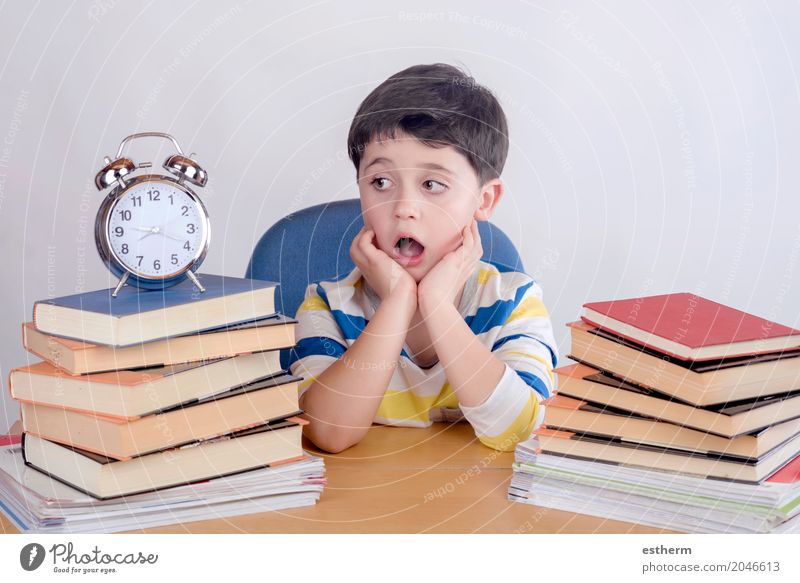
point(195, 281)
point(122, 281)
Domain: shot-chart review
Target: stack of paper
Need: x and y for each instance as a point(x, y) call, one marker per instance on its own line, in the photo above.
point(37, 503)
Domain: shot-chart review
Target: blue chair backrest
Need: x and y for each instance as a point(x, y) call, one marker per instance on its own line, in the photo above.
point(313, 245)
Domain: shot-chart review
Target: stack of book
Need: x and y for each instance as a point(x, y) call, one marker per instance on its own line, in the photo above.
point(153, 390)
point(35, 503)
point(680, 413)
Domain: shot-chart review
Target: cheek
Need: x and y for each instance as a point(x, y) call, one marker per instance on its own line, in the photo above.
point(374, 219)
point(446, 236)
point(443, 243)
point(369, 213)
point(454, 241)
point(456, 214)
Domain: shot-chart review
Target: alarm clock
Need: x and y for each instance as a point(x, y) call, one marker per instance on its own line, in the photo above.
point(152, 230)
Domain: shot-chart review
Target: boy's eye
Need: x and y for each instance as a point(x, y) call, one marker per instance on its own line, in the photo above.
point(381, 183)
point(434, 186)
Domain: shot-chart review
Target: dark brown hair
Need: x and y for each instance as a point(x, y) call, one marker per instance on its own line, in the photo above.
point(439, 105)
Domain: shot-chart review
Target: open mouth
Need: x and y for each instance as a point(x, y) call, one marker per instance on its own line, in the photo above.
point(408, 251)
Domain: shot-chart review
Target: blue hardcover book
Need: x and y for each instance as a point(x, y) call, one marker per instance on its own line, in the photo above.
point(137, 315)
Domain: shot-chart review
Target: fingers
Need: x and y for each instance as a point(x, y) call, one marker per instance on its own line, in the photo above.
point(369, 253)
point(365, 243)
point(466, 244)
point(356, 254)
point(470, 235)
point(476, 239)
point(471, 249)
point(354, 242)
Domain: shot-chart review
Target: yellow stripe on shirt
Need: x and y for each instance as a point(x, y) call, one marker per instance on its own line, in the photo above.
point(408, 406)
point(314, 303)
point(405, 406)
point(485, 274)
point(528, 308)
point(519, 430)
point(447, 398)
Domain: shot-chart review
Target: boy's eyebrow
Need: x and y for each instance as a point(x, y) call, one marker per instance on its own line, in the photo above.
point(425, 165)
point(434, 166)
point(378, 160)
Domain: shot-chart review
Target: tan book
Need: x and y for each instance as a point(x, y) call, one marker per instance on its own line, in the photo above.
point(588, 447)
point(728, 420)
point(566, 413)
point(77, 357)
point(104, 478)
point(123, 438)
point(704, 383)
point(133, 393)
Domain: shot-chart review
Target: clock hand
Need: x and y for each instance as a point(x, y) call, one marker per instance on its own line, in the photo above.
point(150, 231)
point(168, 236)
point(162, 230)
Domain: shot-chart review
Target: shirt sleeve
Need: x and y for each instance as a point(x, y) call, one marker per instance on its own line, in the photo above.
point(320, 341)
point(527, 347)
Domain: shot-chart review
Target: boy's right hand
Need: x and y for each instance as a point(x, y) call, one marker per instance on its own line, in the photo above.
point(383, 274)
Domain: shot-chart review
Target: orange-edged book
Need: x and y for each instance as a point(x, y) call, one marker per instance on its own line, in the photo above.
point(77, 357)
point(123, 438)
point(104, 478)
point(697, 383)
point(133, 393)
point(598, 448)
point(690, 327)
point(566, 413)
point(725, 420)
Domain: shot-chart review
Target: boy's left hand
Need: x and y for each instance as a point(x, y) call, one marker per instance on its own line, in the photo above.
point(443, 282)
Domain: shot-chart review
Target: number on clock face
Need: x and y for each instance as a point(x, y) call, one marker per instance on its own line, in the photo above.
point(156, 229)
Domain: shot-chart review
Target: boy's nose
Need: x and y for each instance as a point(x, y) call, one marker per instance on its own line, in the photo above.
point(406, 206)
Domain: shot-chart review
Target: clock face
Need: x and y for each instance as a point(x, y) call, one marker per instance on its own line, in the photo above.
point(156, 229)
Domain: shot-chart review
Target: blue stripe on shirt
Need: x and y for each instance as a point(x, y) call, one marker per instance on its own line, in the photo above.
point(505, 339)
point(350, 326)
point(534, 382)
point(313, 346)
point(488, 317)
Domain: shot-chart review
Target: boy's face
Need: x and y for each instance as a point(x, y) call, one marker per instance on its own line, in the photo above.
point(418, 199)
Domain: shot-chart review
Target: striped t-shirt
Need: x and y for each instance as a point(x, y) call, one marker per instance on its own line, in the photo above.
point(505, 312)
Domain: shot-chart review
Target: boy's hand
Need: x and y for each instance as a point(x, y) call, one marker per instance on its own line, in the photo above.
point(384, 274)
point(443, 282)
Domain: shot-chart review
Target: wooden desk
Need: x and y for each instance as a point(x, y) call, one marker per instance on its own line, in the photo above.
point(403, 480)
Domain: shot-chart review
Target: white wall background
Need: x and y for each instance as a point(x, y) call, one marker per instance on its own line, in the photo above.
point(654, 146)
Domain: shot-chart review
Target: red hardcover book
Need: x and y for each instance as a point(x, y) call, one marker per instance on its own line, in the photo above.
point(690, 327)
point(788, 474)
point(10, 439)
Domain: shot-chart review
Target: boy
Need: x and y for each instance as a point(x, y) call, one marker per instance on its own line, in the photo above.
point(422, 330)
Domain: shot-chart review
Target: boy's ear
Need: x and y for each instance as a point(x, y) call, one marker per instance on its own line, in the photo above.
point(490, 195)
